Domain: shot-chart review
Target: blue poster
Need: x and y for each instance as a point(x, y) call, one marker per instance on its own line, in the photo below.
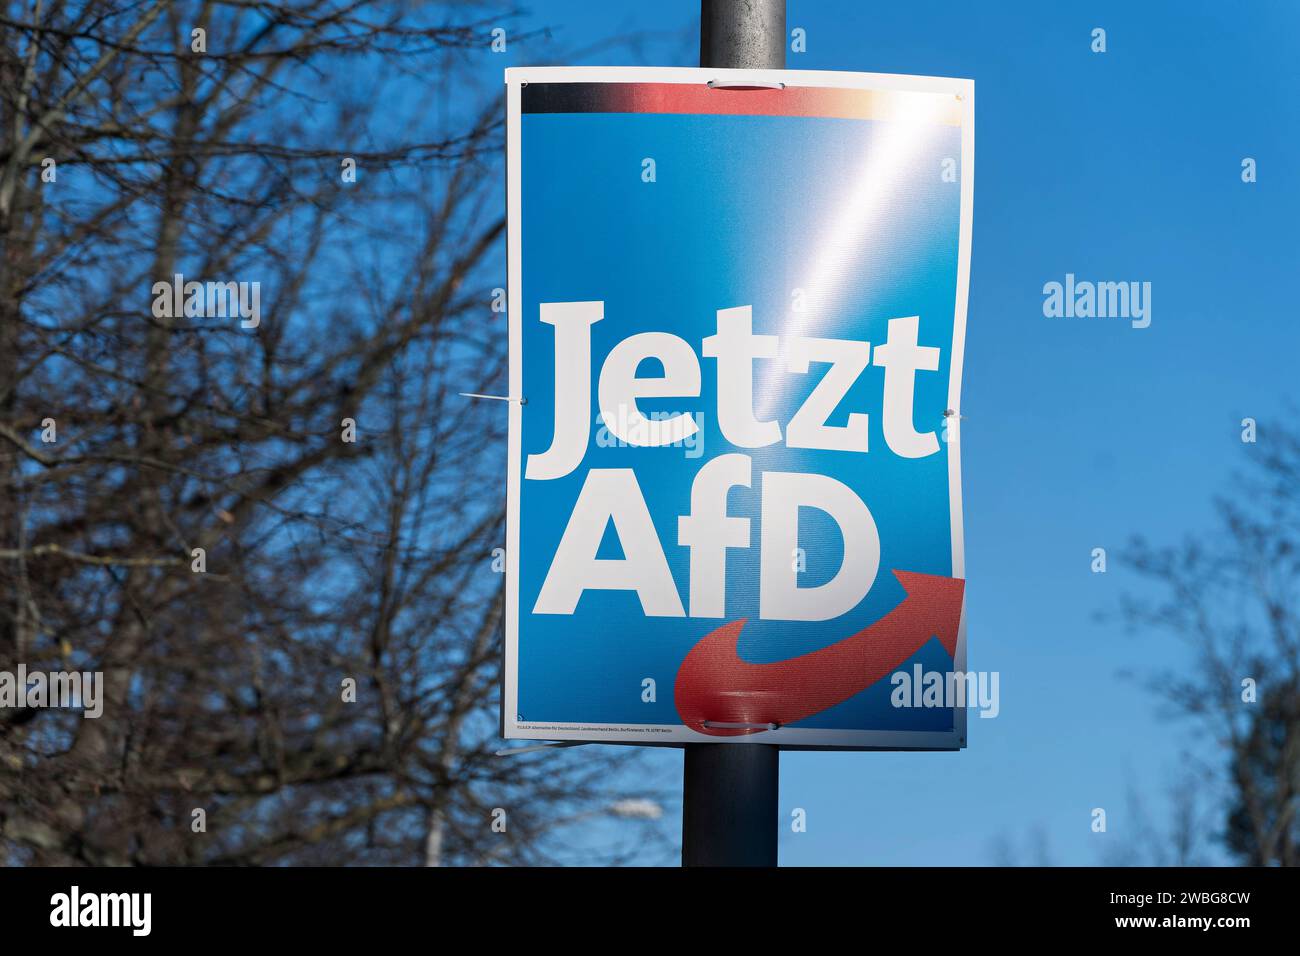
point(737, 308)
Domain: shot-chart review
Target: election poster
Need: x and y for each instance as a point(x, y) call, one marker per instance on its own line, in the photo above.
point(737, 307)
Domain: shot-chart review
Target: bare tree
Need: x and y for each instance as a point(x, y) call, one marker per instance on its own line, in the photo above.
point(1233, 598)
point(203, 528)
point(1177, 837)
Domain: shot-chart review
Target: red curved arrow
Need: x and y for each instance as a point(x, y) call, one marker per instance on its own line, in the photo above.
point(714, 684)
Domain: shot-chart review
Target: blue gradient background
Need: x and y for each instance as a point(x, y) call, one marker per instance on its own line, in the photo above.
point(739, 214)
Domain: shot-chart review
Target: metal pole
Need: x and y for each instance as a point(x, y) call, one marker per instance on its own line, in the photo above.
point(729, 791)
point(729, 810)
point(742, 34)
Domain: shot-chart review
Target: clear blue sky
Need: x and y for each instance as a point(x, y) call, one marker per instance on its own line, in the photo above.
point(1079, 433)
